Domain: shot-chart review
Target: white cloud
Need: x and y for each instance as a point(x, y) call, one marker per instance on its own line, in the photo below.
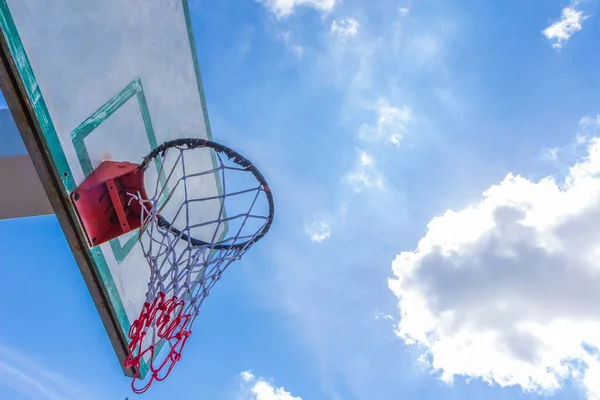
point(587, 122)
point(258, 389)
point(345, 27)
point(247, 376)
point(365, 159)
point(506, 290)
point(380, 315)
point(403, 11)
point(392, 124)
point(318, 231)
point(569, 23)
point(393, 121)
point(365, 178)
point(285, 8)
point(365, 174)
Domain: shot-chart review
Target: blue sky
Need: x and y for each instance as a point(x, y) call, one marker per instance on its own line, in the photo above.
point(435, 166)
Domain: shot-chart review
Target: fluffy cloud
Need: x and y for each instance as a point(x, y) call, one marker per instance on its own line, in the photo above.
point(318, 231)
point(506, 290)
point(345, 27)
point(392, 124)
point(258, 389)
point(285, 8)
point(569, 23)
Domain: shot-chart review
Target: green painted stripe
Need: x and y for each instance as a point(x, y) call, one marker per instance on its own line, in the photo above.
point(93, 121)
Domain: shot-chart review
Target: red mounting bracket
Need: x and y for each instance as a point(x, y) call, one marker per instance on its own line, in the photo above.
point(103, 201)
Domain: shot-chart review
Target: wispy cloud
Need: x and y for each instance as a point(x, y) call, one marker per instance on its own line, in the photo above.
point(254, 388)
point(588, 121)
point(34, 381)
point(550, 153)
point(393, 122)
point(403, 10)
point(345, 28)
point(365, 174)
point(285, 8)
point(569, 23)
point(505, 290)
point(364, 160)
point(318, 231)
point(367, 72)
point(296, 49)
point(391, 125)
point(380, 315)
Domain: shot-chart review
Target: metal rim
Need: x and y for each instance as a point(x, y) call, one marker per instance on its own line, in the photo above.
point(194, 143)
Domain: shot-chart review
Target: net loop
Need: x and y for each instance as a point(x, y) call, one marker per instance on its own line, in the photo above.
point(171, 325)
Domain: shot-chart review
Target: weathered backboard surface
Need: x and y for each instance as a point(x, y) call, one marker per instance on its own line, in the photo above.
point(89, 80)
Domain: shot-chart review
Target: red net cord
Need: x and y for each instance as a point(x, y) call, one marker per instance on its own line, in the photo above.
point(167, 321)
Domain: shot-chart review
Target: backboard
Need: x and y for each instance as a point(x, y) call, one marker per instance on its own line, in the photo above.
point(88, 81)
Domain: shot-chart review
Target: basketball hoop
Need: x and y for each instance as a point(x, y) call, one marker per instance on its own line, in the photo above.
point(189, 237)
